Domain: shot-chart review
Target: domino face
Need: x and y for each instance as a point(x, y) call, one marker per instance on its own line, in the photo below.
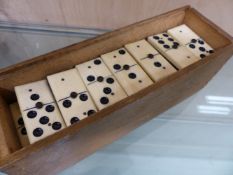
point(156, 66)
point(176, 53)
point(71, 95)
point(39, 110)
point(129, 74)
point(19, 124)
point(102, 85)
point(191, 40)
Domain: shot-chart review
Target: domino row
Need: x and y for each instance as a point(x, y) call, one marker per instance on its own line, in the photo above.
point(47, 106)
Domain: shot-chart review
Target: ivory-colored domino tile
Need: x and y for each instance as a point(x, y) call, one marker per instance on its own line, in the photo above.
point(101, 84)
point(191, 40)
point(39, 110)
point(156, 66)
point(71, 95)
point(19, 124)
point(176, 53)
point(129, 74)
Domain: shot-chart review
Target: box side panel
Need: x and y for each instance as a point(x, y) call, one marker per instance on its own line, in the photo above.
point(210, 32)
point(4, 150)
point(8, 137)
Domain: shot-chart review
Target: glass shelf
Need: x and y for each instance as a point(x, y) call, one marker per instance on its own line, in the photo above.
point(20, 42)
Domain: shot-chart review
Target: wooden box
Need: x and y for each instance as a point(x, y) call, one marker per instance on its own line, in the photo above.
point(76, 142)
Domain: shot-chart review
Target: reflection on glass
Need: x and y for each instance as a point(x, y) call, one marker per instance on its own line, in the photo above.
point(221, 100)
point(19, 42)
point(206, 109)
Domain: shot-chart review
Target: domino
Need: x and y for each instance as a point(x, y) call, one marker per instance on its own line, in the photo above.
point(155, 65)
point(101, 84)
point(19, 124)
point(191, 40)
point(71, 95)
point(39, 110)
point(126, 70)
point(176, 53)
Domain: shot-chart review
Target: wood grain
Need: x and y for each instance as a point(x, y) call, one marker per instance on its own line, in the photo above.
point(113, 122)
point(107, 14)
point(9, 141)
